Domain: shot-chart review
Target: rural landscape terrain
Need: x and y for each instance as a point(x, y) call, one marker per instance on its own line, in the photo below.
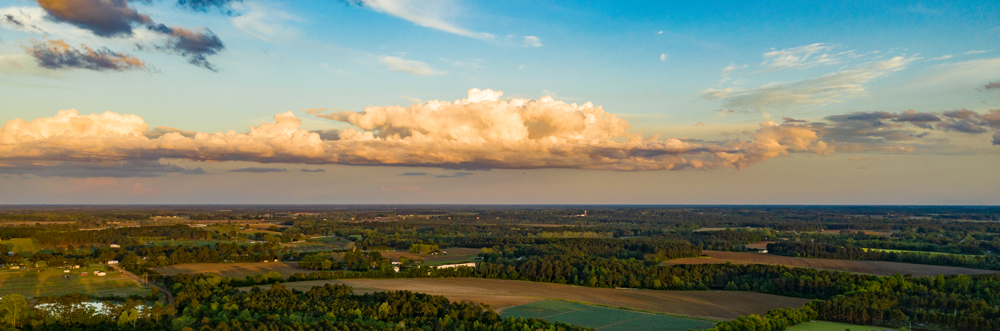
point(500, 268)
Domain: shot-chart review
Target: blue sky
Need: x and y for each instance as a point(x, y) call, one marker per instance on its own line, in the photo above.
point(836, 80)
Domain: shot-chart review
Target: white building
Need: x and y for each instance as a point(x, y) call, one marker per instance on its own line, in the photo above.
point(113, 262)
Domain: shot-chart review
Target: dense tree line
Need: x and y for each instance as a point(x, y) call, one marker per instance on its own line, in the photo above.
point(774, 320)
point(828, 251)
point(211, 301)
point(53, 236)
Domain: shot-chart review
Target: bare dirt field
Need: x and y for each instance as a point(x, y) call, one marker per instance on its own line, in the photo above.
point(866, 267)
point(454, 255)
point(500, 294)
point(239, 270)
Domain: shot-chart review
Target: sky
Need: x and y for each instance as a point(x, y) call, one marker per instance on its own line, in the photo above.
point(509, 102)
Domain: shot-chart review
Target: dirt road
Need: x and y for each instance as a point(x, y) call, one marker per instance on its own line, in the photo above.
point(170, 296)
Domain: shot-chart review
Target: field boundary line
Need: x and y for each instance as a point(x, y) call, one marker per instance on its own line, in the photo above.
point(620, 322)
point(636, 310)
point(170, 296)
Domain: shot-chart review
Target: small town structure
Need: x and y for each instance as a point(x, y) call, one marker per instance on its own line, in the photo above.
point(113, 262)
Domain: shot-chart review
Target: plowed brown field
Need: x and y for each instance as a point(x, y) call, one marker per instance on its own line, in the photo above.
point(866, 267)
point(500, 294)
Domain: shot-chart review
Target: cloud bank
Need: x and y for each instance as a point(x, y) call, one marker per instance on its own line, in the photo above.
point(481, 131)
point(478, 132)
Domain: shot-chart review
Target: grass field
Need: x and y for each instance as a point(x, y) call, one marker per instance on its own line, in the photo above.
point(603, 318)
point(19, 245)
point(503, 294)
point(239, 270)
point(866, 267)
point(50, 281)
point(832, 326)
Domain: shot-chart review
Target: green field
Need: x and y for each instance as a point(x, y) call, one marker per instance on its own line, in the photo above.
point(832, 326)
point(50, 281)
point(18, 245)
point(602, 318)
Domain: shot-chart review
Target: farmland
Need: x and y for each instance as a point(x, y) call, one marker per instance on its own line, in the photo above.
point(455, 255)
point(319, 244)
point(20, 245)
point(905, 251)
point(50, 281)
point(831, 326)
point(190, 242)
point(866, 267)
point(602, 318)
point(759, 244)
point(871, 232)
point(502, 294)
point(238, 270)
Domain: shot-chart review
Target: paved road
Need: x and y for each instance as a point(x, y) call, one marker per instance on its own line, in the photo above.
point(170, 296)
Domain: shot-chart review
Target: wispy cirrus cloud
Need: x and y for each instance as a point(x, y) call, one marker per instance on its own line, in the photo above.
point(432, 14)
point(264, 22)
point(829, 88)
point(259, 170)
point(122, 169)
point(532, 41)
point(801, 57)
point(57, 54)
point(413, 173)
point(460, 174)
point(409, 66)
